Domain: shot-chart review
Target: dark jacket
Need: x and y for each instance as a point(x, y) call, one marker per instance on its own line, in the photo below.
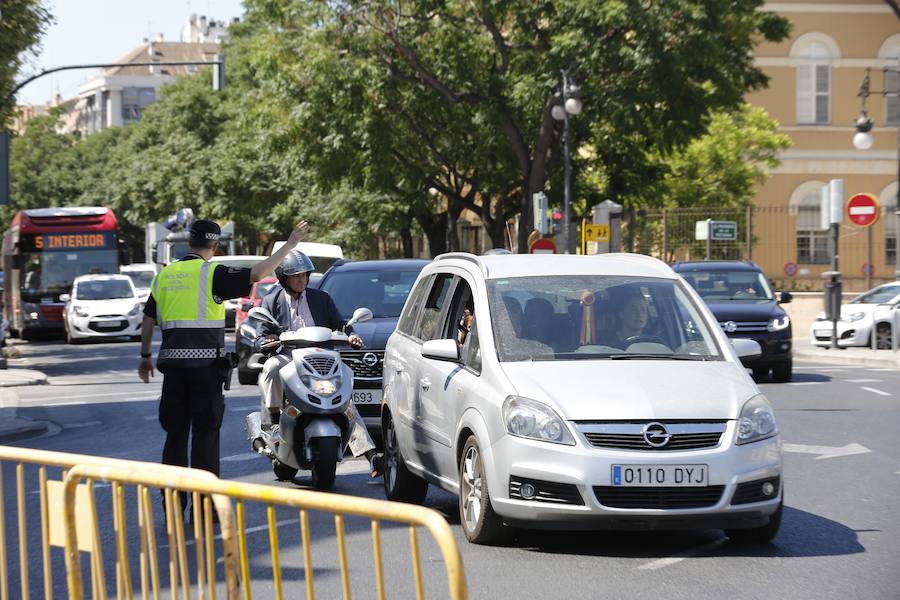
point(324, 311)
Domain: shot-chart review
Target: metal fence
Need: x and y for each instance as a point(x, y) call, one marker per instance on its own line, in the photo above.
point(72, 514)
point(786, 242)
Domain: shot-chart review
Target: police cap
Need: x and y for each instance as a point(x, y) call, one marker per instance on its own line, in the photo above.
point(204, 233)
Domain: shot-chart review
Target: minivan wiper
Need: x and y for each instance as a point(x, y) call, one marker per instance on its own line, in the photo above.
point(637, 356)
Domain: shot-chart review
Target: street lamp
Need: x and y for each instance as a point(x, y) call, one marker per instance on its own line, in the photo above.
point(863, 140)
point(571, 104)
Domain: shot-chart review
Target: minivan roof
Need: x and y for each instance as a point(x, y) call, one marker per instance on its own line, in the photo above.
point(524, 265)
point(716, 265)
point(314, 249)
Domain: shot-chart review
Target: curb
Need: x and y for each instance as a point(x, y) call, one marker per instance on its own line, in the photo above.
point(19, 377)
point(836, 358)
point(14, 428)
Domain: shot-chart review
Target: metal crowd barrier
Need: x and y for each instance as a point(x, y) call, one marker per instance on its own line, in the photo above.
point(55, 531)
point(72, 516)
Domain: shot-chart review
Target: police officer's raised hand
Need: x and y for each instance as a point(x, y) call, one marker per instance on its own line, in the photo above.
point(267, 266)
point(145, 369)
point(299, 233)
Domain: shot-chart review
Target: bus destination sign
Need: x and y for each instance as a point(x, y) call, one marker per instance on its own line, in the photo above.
point(44, 242)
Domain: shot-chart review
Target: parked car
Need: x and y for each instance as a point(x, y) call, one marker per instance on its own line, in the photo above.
point(381, 286)
point(740, 296)
point(866, 315)
point(102, 306)
point(245, 261)
point(141, 275)
point(509, 382)
point(257, 291)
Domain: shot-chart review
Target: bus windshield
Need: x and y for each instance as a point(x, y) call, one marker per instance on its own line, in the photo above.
point(45, 272)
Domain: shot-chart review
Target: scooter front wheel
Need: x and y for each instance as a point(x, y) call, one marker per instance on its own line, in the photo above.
point(324, 467)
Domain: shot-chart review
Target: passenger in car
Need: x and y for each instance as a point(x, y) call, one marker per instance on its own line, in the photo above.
point(515, 314)
point(539, 322)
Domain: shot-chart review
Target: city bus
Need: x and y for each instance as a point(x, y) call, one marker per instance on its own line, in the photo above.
point(44, 250)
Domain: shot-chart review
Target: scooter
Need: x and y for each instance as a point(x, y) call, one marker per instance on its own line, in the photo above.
point(312, 431)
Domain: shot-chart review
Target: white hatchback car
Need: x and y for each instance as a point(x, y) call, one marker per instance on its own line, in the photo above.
point(872, 310)
point(141, 275)
point(102, 306)
point(576, 392)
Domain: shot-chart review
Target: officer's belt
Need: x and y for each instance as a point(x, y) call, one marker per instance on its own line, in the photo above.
point(200, 324)
point(182, 353)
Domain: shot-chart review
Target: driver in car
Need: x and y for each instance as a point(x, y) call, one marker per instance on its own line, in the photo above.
point(294, 306)
point(631, 316)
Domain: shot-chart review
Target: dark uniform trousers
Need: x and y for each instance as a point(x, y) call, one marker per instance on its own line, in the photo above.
point(192, 403)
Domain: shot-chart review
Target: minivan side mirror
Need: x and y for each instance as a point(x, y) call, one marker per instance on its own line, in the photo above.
point(745, 348)
point(785, 297)
point(441, 350)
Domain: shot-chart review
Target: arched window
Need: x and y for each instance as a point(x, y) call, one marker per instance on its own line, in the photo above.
point(814, 53)
point(891, 50)
point(812, 240)
point(888, 202)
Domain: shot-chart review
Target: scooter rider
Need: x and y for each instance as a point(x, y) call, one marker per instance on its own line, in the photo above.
point(295, 306)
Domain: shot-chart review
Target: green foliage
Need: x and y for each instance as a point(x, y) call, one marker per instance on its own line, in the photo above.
point(22, 23)
point(722, 167)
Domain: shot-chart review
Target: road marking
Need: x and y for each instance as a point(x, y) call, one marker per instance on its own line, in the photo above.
point(241, 457)
point(874, 391)
point(827, 451)
point(85, 424)
point(863, 380)
point(671, 560)
point(883, 370)
point(806, 383)
point(244, 408)
point(95, 396)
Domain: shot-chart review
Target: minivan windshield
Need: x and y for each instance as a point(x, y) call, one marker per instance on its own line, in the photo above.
point(730, 285)
point(576, 317)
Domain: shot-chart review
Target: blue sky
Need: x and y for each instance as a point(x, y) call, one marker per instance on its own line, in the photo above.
point(94, 31)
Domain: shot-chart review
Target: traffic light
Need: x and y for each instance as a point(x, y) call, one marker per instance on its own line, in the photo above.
point(556, 218)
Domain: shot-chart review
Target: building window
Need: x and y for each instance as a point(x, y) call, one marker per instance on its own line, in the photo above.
point(134, 101)
point(814, 86)
point(812, 242)
point(892, 100)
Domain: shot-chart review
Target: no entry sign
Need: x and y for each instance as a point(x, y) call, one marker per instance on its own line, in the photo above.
point(862, 210)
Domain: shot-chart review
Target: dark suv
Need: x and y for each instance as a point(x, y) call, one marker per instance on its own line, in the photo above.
point(739, 295)
point(381, 286)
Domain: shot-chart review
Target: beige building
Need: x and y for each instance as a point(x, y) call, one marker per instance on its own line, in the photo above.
point(815, 77)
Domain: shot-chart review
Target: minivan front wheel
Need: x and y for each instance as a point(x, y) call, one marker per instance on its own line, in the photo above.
point(479, 521)
point(400, 484)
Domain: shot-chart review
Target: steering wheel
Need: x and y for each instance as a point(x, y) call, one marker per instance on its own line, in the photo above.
point(651, 339)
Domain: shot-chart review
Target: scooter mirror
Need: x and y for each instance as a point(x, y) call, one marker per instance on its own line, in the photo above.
point(259, 313)
point(360, 315)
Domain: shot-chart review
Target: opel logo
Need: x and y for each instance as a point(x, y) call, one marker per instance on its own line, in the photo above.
point(730, 327)
point(655, 434)
point(370, 359)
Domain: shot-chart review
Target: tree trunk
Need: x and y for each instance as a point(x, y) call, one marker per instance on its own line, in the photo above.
point(406, 236)
point(435, 228)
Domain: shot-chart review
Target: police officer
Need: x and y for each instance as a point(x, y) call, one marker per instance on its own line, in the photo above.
point(186, 300)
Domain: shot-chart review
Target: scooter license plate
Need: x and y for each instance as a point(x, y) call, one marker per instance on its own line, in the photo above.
point(366, 396)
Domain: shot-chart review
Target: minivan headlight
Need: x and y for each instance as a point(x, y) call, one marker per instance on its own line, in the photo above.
point(779, 323)
point(757, 421)
point(534, 420)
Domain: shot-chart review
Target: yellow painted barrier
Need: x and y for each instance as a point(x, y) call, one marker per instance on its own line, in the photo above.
point(72, 517)
point(87, 532)
point(270, 497)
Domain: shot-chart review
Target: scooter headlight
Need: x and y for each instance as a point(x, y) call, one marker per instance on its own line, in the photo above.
point(321, 387)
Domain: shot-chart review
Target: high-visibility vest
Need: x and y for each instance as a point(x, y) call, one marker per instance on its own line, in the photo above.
point(192, 322)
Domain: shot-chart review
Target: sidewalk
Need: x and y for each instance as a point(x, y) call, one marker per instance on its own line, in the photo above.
point(12, 426)
point(879, 359)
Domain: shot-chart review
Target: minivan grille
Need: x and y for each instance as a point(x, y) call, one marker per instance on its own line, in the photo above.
point(658, 497)
point(742, 326)
point(630, 435)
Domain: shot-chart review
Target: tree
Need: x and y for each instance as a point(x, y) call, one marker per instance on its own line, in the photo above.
point(457, 97)
point(22, 22)
point(723, 167)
